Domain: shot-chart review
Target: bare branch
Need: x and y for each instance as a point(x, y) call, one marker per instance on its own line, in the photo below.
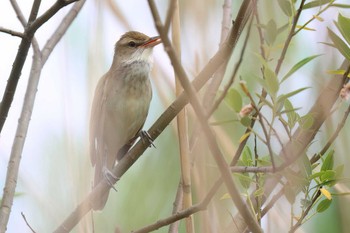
point(25, 219)
point(184, 213)
point(11, 32)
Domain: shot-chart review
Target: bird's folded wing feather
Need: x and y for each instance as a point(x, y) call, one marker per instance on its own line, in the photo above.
point(97, 119)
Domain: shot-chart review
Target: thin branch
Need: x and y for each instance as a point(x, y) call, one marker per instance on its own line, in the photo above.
point(25, 220)
point(235, 71)
point(184, 213)
point(306, 212)
point(19, 13)
point(289, 38)
point(58, 5)
point(169, 15)
point(11, 32)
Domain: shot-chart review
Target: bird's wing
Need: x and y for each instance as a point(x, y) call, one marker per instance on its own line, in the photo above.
point(97, 119)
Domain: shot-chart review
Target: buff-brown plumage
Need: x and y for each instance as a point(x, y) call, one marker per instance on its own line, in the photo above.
point(120, 105)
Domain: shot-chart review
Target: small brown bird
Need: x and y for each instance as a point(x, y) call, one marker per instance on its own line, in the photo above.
point(120, 105)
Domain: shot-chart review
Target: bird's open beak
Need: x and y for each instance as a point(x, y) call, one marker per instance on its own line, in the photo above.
point(153, 41)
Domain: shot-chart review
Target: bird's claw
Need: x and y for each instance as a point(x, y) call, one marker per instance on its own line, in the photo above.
point(111, 179)
point(146, 138)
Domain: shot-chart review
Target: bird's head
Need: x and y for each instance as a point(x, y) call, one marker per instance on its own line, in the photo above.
point(135, 46)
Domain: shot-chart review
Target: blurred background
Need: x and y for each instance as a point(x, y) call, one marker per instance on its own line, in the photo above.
point(55, 171)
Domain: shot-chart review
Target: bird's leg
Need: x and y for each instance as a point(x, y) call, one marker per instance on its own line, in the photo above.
point(110, 178)
point(146, 138)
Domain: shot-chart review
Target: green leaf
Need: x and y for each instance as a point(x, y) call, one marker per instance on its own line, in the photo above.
point(306, 122)
point(328, 162)
point(337, 72)
point(286, 7)
point(246, 121)
point(271, 32)
point(283, 97)
point(234, 99)
point(324, 204)
point(341, 5)
point(339, 171)
point(343, 25)
point(247, 157)
point(259, 192)
point(304, 163)
point(293, 117)
point(327, 176)
point(315, 4)
point(339, 44)
point(244, 179)
point(289, 193)
point(271, 81)
point(298, 66)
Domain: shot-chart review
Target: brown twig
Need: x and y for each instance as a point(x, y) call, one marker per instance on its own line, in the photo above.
point(306, 212)
point(184, 213)
point(289, 37)
point(11, 32)
point(25, 220)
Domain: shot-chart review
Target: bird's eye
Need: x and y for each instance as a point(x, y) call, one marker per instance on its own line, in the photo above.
point(132, 44)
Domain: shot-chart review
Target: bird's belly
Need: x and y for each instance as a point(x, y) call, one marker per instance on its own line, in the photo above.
point(127, 111)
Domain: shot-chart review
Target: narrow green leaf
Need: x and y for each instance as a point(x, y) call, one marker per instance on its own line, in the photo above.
point(271, 32)
point(328, 162)
point(282, 28)
point(343, 25)
point(264, 101)
point(271, 81)
point(337, 72)
point(339, 171)
point(298, 66)
point(306, 122)
point(247, 157)
point(315, 3)
point(340, 5)
point(293, 117)
point(234, 99)
point(327, 176)
point(244, 179)
point(281, 98)
point(324, 205)
point(286, 7)
point(339, 44)
point(259, 192)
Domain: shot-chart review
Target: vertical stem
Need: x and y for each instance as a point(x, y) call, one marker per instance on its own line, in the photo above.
point(182, 125)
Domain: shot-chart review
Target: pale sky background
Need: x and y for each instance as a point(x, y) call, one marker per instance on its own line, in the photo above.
point(63, 100)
